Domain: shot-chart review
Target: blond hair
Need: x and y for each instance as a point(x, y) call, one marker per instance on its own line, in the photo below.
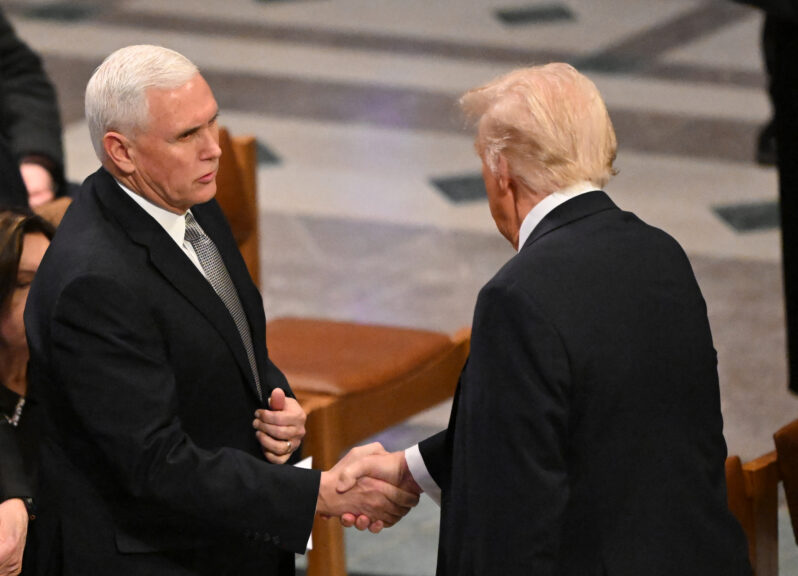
point(550, 124)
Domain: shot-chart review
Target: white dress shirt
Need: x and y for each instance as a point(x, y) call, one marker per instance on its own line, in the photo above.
point(415, 462)
point(173, 224)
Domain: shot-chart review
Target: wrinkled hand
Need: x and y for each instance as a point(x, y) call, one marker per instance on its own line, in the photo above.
point(375, 503)
point(389, 467)
point(38, 182)
point(280, 430)
point(13, 532)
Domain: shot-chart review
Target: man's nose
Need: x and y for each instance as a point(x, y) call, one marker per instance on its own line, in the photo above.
point(210, 145)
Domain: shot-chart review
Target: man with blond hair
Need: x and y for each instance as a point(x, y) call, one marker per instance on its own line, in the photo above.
point(586, 433)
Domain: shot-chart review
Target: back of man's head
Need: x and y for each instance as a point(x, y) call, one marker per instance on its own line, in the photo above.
point(116, 95)
point(550, 124)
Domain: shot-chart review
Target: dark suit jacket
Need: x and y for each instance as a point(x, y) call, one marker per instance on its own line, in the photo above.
point(586, 434)
point(151, 465)
point(14, 481)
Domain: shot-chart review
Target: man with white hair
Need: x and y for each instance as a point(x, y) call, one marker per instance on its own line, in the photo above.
point(586, 433)
point(147, 344)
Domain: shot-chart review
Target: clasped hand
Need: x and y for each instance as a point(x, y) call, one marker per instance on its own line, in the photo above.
point(281, 429)
point(369, 489)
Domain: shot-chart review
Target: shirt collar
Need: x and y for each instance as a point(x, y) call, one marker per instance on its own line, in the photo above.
point(173, 224)
point(549, 203)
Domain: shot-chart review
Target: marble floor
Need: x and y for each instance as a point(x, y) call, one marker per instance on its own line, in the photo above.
point(370, 202)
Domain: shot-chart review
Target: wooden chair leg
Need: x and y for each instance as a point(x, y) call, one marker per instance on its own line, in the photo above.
point(328, 557)
point(762, 480)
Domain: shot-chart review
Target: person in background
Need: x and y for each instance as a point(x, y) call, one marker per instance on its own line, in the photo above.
point(30, 126)
point(586, 432)
point(781, 31)
point(14, 516)
point(23, 240)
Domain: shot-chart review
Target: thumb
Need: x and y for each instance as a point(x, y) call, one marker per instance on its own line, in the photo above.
point(349, 476)
point(277, 399)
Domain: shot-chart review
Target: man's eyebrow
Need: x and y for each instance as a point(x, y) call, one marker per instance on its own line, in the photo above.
point(193, 129)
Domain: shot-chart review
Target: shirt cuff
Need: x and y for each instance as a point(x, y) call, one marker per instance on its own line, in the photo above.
point(415, 463)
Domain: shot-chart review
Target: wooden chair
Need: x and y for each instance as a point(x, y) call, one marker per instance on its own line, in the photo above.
point(752, 491)
point(54, 210)
point(353, 380)
point(753, 497)
point(236, 185)
point(786, 440)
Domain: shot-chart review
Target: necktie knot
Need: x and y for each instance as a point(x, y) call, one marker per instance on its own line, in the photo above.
point(193, 231)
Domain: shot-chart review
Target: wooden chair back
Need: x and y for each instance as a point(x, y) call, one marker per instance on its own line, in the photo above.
point(786, 440)
point(54, 210)
point(752, 492)
point(236, 192)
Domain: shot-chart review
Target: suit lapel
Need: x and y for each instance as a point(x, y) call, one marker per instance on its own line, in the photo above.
point(574, 209)
point(172, 263)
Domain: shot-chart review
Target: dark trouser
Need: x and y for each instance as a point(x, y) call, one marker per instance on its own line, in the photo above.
point(784, 93)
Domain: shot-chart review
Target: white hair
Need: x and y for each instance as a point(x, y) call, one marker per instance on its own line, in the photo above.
point(116, 95)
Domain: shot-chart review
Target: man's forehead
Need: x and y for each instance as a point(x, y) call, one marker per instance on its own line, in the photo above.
point(192, 102)
point(194, 84)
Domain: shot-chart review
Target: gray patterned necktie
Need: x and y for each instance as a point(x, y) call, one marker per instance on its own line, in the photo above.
point(216, 272)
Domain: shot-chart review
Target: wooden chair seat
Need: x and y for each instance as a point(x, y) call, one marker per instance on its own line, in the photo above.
point(355, 380)
point(354, 357)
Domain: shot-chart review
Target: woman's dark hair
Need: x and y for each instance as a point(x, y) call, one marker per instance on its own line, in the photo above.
point(14, 224)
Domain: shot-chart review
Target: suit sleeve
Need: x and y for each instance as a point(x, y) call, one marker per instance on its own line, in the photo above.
point(509, 472)
point(111, 360)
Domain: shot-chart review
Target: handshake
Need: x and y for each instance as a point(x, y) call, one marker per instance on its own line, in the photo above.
point(369, 488)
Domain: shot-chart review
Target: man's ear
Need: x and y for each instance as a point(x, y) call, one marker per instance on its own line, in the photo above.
point(117, 149)
point(504, 178)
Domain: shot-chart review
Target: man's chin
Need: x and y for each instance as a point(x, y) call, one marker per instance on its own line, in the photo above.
point(207, 192)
